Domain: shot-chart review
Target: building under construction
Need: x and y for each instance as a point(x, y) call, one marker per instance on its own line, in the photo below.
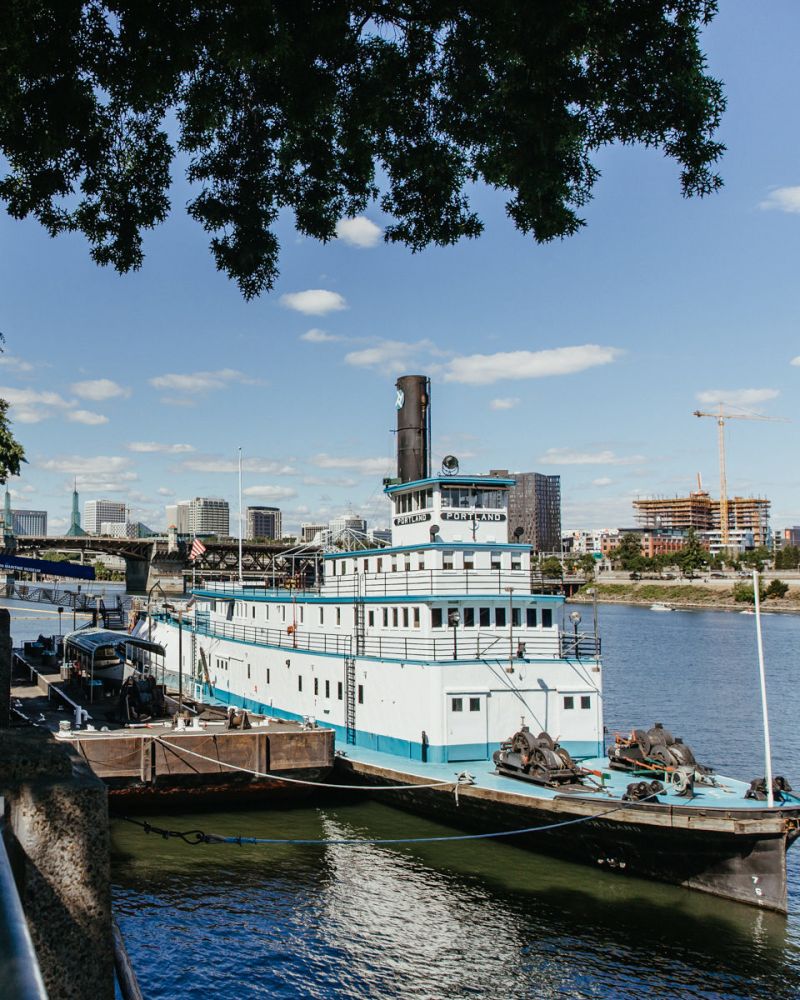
point(746, 515)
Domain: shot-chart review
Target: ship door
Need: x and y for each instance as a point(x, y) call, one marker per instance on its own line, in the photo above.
point(466, 725)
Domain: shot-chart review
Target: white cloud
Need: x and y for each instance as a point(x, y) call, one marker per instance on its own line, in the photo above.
point(86, 417)
point(201, 381)
point(483, 369)
point(99, 389)
point(314, 301)
point(392, 356)
point(15, 364)
point(269, 492)
point(98, 466)
point(507, 403)
point(782, 199)
point(737, 397)
point(155, 447)
point(29, 406)
point(212, 463)
point(795, 361)
point(565, 456)
point(602, 481)
point(315, 336)
point(359, 232)
point(365, 466)
point(342, 481)
point(164, 492)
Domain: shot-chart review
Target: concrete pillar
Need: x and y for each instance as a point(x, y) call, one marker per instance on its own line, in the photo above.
point(61, 827)
point(5, 668)
point(136, 571)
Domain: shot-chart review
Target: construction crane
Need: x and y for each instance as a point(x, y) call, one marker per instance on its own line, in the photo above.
point(721, 416)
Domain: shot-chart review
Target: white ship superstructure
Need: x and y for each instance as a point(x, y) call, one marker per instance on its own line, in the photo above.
point(433, 648)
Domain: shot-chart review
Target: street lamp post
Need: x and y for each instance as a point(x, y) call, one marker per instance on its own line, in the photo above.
point(510, 592)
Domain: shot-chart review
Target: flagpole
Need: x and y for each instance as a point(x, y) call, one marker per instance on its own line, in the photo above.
point(241, 581)
point(764, 713)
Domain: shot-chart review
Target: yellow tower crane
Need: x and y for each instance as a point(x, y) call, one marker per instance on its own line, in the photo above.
point(721, 416)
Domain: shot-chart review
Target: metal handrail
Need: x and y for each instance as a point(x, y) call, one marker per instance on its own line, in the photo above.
point(525, 644)
point(20, 976)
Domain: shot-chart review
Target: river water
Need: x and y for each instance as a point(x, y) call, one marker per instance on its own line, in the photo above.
point(482, 919)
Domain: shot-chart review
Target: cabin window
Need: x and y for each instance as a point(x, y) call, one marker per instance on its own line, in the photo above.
point(516, 560)
point(547, 617)
point(248, 671)
point(327, 689)
point(469, 617)
point(378, 565)
point(266, 612)
point(338, 616)
point(474, 704)
point(469, 560)
point(283, 612)
point(385, 617)
point(394, 617)
point(484, 617)
point(530, 617)
point(339, 690)
point(302, 610)
point(394, 564)
point(371, 618)
point(415, 618)
point(316, 686)
point(569, 702)
point(321, 615)
point(267, 675)
point(253, 609)
point(495, 559)
point(586, 701)
point(516, 617)
point(436, 617)
point(365, 566)
point(407, 561)
point(457, 704)
point(500, 617)
point(405, 617)
point(447, 559)
point(299, 682)
point(361, 694)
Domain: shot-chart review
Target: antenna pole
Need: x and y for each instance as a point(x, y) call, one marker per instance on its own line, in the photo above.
point(762, 678)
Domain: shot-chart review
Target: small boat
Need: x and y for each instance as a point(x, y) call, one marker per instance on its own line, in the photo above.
point(661, 607)
point(103, 655)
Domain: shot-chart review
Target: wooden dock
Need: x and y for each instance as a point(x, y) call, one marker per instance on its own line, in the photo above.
point(194, 759)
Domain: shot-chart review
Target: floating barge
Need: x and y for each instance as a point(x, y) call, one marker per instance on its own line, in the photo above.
point(202, 755)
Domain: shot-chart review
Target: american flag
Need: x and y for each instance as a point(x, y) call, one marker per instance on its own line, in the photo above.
point(197, 549)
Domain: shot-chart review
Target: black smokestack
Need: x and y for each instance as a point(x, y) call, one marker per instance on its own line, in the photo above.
point(413, 427)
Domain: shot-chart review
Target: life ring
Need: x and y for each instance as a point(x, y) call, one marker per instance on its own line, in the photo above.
point(291, 630)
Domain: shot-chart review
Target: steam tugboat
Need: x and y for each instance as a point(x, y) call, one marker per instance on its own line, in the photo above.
point(438, 654)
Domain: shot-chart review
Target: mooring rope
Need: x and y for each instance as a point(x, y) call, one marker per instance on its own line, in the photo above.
point(194, 837)
point(463, 778)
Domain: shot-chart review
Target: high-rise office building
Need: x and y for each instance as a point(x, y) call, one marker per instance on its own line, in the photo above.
point(209, 516)
point(95, 512)
point(534, 510)
point(178, 514)
point(311, 532)
point(345, 524)
point(29, 522)
point(264, 522)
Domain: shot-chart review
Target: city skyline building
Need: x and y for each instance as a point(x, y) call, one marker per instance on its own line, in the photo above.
point(263, 522)
point(75, 530)
point(29, 522)
point(534, 509)
point(747, 516)
point(209, 516)
point(95, 512)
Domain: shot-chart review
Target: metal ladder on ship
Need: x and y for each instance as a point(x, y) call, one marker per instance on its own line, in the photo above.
point(350, 698)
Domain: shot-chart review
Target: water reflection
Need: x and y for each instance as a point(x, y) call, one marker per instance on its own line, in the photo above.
point(442, 920)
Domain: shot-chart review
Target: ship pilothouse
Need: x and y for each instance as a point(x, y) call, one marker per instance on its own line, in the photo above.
point(433, 647)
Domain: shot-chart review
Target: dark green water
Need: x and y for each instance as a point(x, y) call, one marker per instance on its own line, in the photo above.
point(482, 919)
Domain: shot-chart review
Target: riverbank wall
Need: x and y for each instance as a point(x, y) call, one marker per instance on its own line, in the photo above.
point(697, 595)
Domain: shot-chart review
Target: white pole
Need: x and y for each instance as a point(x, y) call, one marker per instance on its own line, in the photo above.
point(241, 580)
point(767, 751)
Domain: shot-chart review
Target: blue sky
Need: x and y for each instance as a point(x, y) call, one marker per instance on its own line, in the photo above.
point(145, 385)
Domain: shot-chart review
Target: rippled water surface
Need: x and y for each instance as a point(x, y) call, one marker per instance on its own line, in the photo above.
point(482, 919)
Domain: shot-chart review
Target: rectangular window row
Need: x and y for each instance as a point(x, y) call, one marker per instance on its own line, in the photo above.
point(485, 618)
point(569, 701)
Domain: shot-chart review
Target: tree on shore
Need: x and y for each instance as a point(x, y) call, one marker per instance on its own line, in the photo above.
point(692, 556)
point(12, 454)
point(324, 109)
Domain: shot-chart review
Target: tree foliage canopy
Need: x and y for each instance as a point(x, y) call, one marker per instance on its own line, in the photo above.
point(323, 107)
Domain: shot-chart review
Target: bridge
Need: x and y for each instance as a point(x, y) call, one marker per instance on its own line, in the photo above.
point(152, 560)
